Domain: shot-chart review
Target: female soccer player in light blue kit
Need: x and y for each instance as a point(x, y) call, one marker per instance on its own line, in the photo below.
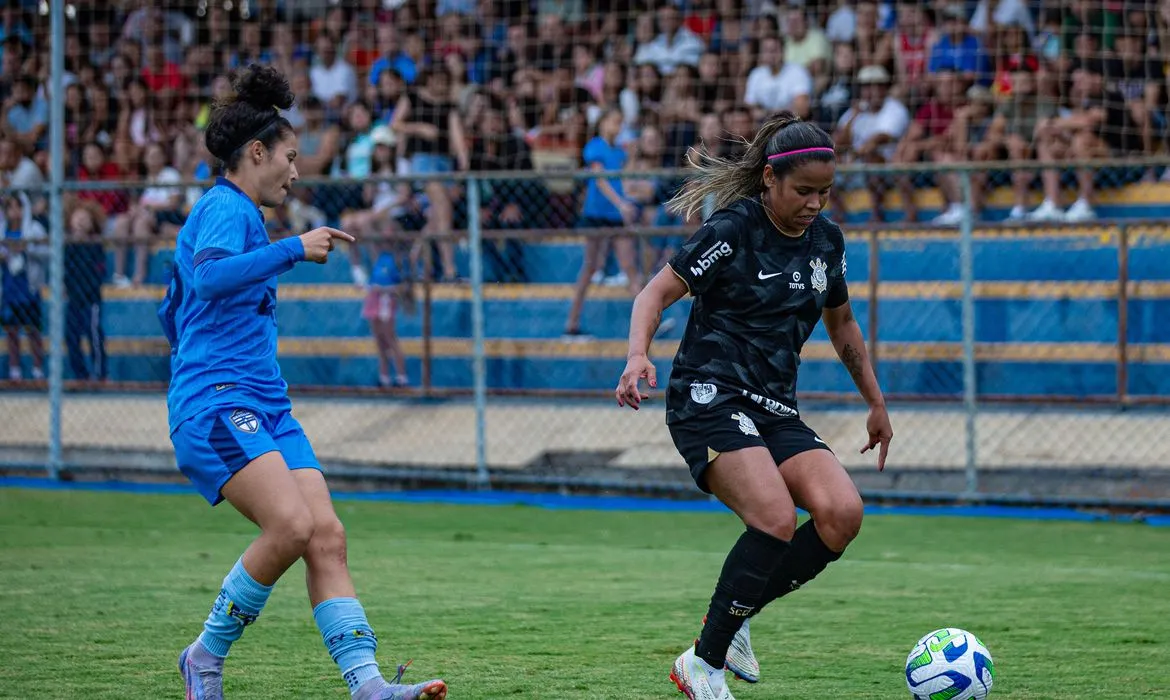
point(230, 420)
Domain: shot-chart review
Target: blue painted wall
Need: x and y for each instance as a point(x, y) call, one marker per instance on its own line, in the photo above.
point(912, 313)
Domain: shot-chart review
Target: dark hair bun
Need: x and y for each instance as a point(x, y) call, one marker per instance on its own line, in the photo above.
point(263, 87)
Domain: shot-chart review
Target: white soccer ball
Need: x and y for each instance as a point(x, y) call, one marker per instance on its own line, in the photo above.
point(949, 664)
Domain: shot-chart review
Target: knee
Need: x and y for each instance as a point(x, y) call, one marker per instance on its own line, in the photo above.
point(327, 543)
point(839, 521)
point(294, 531)
point(1138, 113)
point(778, 522)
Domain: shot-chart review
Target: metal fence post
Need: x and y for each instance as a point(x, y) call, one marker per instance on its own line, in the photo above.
point(874, 275)
point(1122, 314)
point(478, 361)
point(56, 234)
point(967, 274)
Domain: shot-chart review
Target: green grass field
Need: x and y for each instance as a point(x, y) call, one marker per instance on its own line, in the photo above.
point(100, 592)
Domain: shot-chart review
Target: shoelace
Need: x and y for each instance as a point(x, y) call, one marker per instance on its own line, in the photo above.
point(401, 670)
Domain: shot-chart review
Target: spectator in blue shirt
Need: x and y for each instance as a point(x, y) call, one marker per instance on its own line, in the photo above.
point(23, 254)
point(391, 57)
point(959, 51)
point(605, 206)
point(25, 115)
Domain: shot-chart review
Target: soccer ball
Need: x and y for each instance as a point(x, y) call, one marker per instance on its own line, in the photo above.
point(949, 664)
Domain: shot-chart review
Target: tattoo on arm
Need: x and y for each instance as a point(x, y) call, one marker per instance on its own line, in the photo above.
point(851, 358)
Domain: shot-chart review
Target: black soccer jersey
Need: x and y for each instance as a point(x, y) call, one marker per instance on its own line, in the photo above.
point(758, 294)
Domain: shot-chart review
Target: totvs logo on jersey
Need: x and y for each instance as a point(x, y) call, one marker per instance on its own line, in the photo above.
point(709, 256)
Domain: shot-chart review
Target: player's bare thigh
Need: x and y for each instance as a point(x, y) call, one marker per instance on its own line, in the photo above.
point(746, 481)
point(820, 485)
point(265, 492)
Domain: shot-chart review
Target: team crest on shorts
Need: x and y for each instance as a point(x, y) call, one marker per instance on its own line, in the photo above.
point(747, 425)
point(819, 281)
point(245, 420)
point(703, 393)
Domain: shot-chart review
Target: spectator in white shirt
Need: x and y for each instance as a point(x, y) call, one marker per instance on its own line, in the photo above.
point(841, 27)
point(675, 44)
point(334, 81)
point(774, 85)
point(803, 45)
point(869, 132)
point(1007, 13)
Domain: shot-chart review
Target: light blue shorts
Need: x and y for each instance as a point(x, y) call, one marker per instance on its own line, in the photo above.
point(212, 446)
point(430, 164)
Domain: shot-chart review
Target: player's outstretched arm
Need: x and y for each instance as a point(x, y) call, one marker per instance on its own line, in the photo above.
point(849, 343)
point(219, 273)
point(657, 296)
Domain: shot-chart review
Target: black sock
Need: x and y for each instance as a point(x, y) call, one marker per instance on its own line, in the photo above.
point(807, 557)
point(745, 575)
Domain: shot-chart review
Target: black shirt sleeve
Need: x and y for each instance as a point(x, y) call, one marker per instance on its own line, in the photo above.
point(838, 287)
point(710, 251)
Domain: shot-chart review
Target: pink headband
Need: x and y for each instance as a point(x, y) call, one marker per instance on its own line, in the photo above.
point(821, 149)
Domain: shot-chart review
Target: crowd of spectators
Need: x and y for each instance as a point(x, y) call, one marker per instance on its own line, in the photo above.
point(406, 87)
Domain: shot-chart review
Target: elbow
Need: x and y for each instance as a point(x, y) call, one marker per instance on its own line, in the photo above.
point(650, 299)
point(206, 292)
point(205, 288)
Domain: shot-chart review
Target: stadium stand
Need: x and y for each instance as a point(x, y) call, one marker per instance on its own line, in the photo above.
point(511, 85)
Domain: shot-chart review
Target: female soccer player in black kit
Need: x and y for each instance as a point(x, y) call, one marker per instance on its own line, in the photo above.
point(762, 270)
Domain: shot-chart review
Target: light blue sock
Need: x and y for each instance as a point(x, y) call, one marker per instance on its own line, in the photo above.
point(239, 604)
point(349, 639)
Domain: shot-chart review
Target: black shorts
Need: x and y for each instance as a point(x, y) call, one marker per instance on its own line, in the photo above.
point(733, 425)
point(21, 315)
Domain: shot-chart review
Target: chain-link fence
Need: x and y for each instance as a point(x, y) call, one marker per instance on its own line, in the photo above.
point(488, 372)
point(1011, 306)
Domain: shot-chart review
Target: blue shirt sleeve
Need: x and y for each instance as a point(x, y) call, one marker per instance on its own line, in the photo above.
point(222, 229)
point(593, 153)
point(938, 55)
point(218, 276)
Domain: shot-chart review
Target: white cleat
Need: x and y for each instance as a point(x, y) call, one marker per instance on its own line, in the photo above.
point(741, 660)
point(697, 680)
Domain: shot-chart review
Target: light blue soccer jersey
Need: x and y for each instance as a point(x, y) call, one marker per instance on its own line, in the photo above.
point(219, 313)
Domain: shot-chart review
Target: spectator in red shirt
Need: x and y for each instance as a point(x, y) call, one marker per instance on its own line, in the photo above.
point(161, 75)
point(926, 133)
point(912, 40)
point(1012, 55)
point(96, 167)
point(701, 19)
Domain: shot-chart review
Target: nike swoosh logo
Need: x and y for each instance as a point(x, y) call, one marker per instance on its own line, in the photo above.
point(819, 440)
point(768, 277)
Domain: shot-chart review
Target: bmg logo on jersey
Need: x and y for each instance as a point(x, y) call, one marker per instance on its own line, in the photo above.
point(709, 256)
